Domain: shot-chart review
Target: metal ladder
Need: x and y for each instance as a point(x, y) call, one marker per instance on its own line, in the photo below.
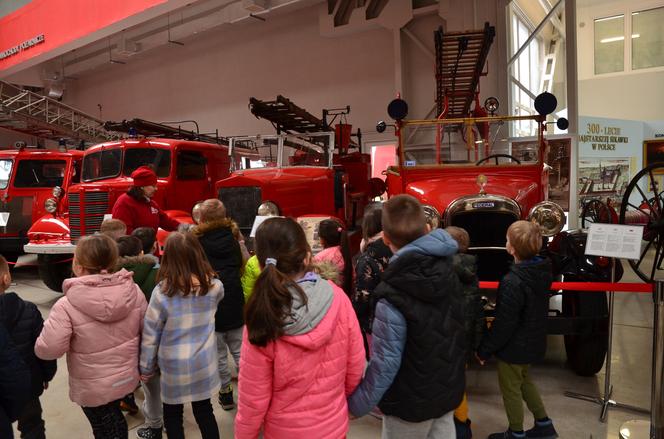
point(36, 115)
point(549, 64)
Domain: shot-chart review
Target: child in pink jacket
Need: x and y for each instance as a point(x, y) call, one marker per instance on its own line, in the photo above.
point(98, 324)
point(302, 351)
point(336, 252)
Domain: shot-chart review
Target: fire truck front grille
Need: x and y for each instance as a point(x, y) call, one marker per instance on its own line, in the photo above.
point(85, 218)
point(494, 262)
point(241, 204)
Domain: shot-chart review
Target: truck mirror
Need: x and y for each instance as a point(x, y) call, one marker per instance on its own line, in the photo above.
point(545, 103)
point(397, 109)
point(562, 124)
point(381, 126)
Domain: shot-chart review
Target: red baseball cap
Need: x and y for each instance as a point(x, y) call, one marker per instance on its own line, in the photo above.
point(144, 176)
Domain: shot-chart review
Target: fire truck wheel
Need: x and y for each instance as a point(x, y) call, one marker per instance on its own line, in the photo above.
point(586, 350)
point(54, 269)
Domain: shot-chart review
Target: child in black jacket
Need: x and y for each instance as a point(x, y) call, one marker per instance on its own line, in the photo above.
point(23, 322)
point(518, 334)
point(14, 384)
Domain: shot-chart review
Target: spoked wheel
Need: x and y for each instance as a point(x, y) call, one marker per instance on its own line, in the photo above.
point(596, 211)
point(643, 205)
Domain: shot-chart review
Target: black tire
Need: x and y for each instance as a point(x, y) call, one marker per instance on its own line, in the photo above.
point(586, 350)
point(54, 269)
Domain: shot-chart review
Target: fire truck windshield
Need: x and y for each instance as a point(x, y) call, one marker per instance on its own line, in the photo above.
point(108, 163)
point(468, 142)
point(5, 172)
point(289, 151)
point(40, 173)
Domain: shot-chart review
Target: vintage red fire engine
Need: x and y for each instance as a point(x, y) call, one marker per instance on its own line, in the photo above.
point(33, 182)
point(482, 174)
point(186, 172)
point(297, 173)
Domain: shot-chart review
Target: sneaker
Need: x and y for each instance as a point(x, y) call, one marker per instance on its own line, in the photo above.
point(226, 398)
point(148, 433)
point(128, 404)
point(509, 434)
point(542, 430)
point(463, 429)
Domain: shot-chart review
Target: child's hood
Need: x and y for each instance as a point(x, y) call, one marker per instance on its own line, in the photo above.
point(465, 266)
point(536, 271)
point(437, 243)
point(303, 320)
point(104, 297)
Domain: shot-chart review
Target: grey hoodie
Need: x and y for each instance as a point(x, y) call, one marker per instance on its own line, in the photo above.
point(303, 318)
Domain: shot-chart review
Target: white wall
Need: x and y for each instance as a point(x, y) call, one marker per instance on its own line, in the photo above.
point(632, 95)
point(211, 78)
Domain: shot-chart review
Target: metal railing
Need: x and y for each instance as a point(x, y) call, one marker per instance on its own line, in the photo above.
point(36, 115)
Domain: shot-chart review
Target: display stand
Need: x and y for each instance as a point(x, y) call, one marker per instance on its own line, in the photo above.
point(654, 429)
point(616, 242)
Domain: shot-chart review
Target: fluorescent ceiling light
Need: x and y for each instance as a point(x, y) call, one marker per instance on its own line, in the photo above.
point(620, 38)
point(608, 18)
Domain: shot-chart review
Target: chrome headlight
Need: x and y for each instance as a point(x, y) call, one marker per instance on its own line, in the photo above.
point(432, 215)
point(57, 191)
point(268, 208)
point(51, 205)
point(549, 216)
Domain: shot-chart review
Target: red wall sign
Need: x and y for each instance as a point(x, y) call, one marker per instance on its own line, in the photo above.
point(58, 22)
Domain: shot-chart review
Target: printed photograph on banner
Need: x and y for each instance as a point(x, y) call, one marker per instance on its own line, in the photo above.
point(603, 179)
point(653, 152)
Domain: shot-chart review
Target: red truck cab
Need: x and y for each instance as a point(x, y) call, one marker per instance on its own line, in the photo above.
point(186, 172)
point(295, 176)
point(33, 182)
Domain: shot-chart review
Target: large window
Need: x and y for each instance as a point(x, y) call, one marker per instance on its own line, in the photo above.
point(610, 44)
point(526, 72)
point(647, 39)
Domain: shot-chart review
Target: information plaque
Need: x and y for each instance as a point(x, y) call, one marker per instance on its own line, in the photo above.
point(614, 241)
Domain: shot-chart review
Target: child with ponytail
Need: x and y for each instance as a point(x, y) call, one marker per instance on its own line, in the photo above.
point(98, 325)
point(302, 351)
point(336, 251)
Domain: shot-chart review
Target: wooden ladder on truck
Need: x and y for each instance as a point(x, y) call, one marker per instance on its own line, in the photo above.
point(460, 60)
point(33, 114)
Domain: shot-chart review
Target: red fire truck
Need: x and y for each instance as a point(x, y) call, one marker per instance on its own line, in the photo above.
point(305, 171)
point(484, 172)
point(186, 166)
point(33, 182)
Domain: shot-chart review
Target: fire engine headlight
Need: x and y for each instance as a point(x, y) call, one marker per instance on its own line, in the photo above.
point(432, 215)
point(51, 205)
point(57, 191)
point(549, 216)
point(268, 208)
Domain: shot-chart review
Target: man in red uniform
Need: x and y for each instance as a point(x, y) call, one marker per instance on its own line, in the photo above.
point(136, 207)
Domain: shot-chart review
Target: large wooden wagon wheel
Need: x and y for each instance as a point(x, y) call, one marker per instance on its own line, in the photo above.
point(597, 211)
point(642, 205)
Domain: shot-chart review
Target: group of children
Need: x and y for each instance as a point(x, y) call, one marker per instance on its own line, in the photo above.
point(300, 341)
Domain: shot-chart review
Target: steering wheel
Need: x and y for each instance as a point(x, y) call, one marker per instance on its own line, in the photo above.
point(496, 156)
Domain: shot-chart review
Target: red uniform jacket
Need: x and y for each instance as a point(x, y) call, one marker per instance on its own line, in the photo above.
point(142, 213)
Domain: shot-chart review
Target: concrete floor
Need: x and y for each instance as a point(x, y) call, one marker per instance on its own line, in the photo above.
point(574, 419)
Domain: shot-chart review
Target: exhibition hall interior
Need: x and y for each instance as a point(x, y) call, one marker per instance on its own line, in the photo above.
point(332, 218)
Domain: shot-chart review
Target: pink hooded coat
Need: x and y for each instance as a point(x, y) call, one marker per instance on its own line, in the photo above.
point(98, 325)
point(296, 386)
